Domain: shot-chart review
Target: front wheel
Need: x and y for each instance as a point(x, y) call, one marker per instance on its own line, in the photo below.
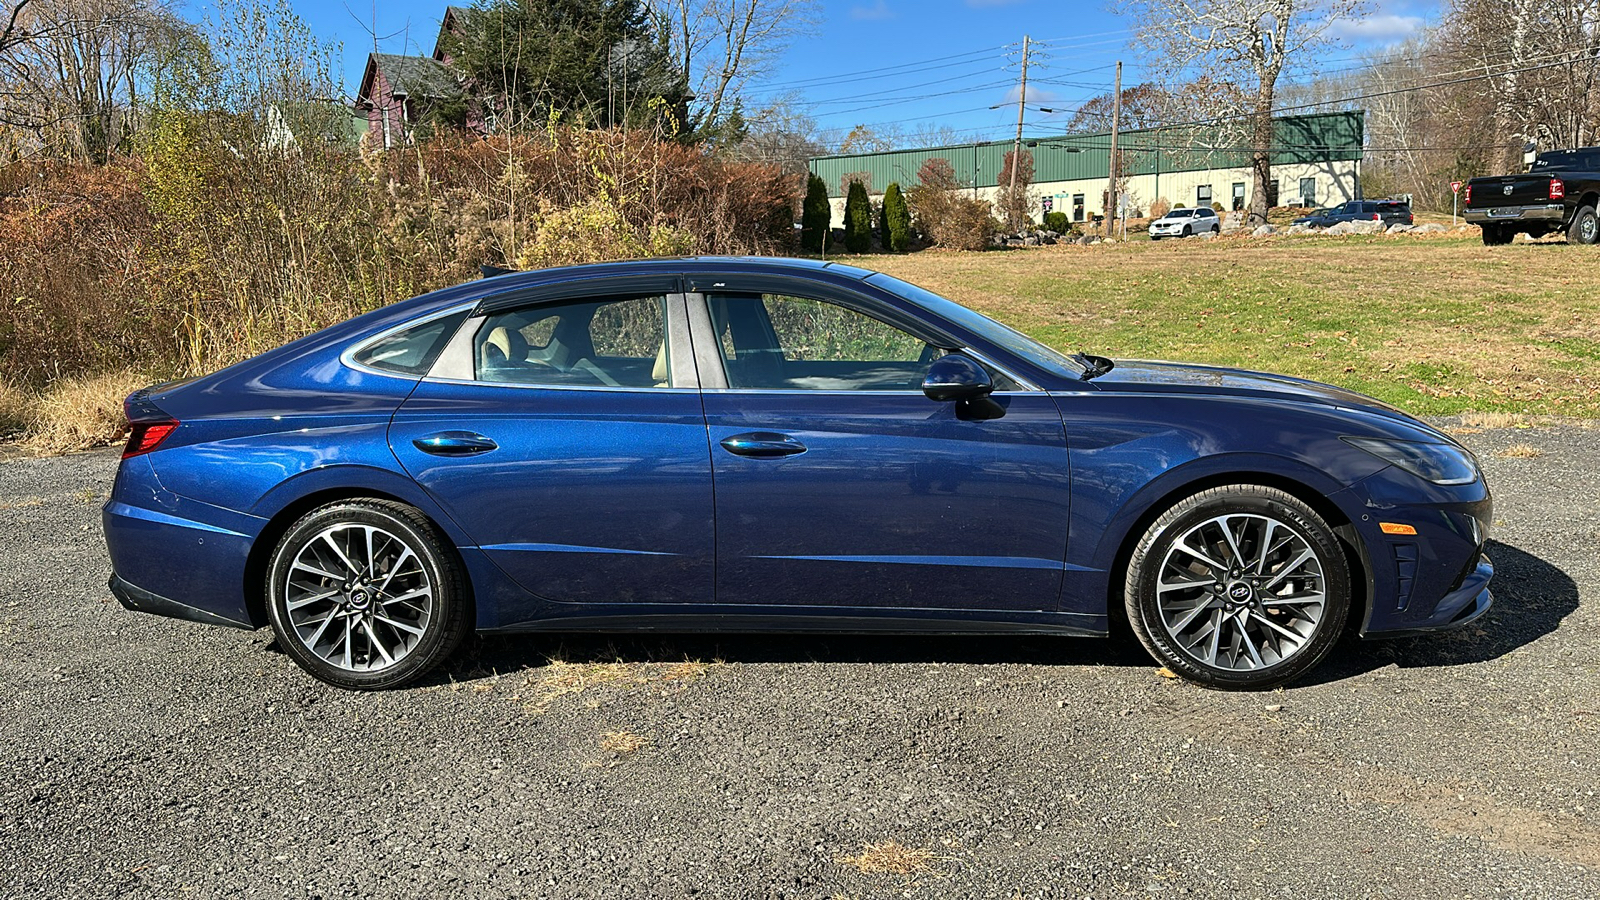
point(1239, 587)
point(1585, 227)
point(1186, 231)
point(366, 595)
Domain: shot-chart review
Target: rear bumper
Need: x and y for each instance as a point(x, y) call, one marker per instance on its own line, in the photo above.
point(138, 599)
point(1543, 212)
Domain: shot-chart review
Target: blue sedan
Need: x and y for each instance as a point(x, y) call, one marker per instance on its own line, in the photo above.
point(765, 445)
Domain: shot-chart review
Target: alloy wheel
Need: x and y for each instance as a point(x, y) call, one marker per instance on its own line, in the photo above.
point(1241, 592)
point(358, 597)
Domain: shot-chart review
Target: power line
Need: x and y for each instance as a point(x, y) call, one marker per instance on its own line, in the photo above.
point(850, 77)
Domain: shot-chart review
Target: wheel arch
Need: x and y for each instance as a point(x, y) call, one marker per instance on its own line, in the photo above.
point(1361, 573)
point(290, 510)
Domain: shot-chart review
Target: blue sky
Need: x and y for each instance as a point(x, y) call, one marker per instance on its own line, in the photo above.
point(950, 59)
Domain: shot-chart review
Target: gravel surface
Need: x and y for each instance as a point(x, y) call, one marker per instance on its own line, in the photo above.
point(141, 756)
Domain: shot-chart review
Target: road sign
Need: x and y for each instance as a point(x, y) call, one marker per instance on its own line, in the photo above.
point(1455, 187)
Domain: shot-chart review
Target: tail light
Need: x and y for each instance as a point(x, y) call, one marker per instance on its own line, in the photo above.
point(1377, 217)
point(1558, 190)
point(1469, 195)
point(147, 436)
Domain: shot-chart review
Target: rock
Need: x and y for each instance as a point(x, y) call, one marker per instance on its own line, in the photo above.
point(1203, 236)
point(1430, 228)
point(1047, 238)
point(1398, 229)
point(1031, 240)
point(1263, 231)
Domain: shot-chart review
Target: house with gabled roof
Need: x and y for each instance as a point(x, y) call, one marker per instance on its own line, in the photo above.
point(398, 91)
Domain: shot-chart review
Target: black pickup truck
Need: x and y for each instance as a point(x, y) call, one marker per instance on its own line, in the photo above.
point(1557, 193)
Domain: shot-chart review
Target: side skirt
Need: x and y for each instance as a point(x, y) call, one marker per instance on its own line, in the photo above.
point(815, 620)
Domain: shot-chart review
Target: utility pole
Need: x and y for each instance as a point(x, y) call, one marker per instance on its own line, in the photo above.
point(1016, 147)
point(1116, 116)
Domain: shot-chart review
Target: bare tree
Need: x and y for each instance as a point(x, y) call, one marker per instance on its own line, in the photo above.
point(68, 70)
point(721, 45)
point(1543, 62)
point(1248, 44)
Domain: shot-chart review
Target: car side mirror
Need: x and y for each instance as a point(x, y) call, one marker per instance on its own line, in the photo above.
point(954, 378)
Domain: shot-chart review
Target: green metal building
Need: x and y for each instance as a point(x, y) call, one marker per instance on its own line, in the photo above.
point(1316, 160)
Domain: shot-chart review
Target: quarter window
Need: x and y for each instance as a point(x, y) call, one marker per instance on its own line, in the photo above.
point(602, 343)
point(412, 350)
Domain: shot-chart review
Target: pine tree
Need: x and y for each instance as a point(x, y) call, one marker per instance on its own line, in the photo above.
point(816, 215)
point(896, 220)
point(857, 219)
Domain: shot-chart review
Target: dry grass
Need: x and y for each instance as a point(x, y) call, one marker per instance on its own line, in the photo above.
point(79, 413)
point(890, 858)
point(1521, 451)
point(559, 678)
point(16, 409)
point(621, 743)
point(1473, 418)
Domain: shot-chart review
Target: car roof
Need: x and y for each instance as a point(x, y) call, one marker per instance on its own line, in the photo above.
point(673, 265)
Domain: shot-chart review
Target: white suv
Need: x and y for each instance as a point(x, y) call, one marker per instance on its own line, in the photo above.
point(1184, 222)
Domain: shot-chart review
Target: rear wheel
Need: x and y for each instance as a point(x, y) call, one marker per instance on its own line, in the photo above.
point(1239, 587)
point(1584, 228)
point(365, 595)
point(1497, 235)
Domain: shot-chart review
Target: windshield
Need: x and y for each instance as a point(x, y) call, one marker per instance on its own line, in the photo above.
point(981, 325)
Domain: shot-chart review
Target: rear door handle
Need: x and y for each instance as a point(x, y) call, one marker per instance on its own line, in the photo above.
point(454, 443)
point(762, 444)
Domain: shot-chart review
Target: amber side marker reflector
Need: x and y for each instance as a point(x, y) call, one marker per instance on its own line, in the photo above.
point(1395, 528)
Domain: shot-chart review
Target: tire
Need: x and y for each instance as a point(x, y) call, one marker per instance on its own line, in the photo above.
point(1584, 228)
point(1497, 235)
point(398, 622)
point(1216, 229)
point(1186, 231)
point(1268, 626)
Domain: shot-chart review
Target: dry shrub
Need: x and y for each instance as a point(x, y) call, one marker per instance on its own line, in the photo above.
point(1160, 207)
point(622, 742)
point(79, 413)
point(1521, 451)
point(200, 253)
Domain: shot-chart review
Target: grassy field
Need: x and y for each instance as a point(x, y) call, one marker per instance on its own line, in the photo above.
point(1435, 326)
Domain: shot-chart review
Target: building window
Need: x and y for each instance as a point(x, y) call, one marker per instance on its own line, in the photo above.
point(1238, 195)
point(1077, 207)
point(1272, 193)
point(1308, 192)
point(1202, 195)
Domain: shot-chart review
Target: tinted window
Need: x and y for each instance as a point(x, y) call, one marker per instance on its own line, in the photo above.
point(775, 342)
point(602, 343)
point(410, 351)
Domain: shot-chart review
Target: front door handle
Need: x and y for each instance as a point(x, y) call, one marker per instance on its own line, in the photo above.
point(454, 443)
point(762, 445)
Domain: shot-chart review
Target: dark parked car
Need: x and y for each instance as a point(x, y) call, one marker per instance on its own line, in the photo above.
point(776, 445)
point(1389, 212)
point(1557, 194)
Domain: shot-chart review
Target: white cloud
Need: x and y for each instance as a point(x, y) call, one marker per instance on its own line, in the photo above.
point(874, 13)
point(1386, 27)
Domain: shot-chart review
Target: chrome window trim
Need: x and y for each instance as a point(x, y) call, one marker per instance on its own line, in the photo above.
point(347, 357)
point(436, 379)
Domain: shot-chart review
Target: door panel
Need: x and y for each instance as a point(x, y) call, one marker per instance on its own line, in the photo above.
point(894, 502)
point(588, 496)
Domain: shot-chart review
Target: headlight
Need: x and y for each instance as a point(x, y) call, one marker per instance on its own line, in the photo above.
point(1438, 463)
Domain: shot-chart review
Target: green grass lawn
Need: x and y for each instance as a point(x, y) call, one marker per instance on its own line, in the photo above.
point(1435, 326)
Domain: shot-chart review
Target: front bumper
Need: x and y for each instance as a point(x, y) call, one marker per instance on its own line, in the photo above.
point(1434, 578)
point(1543, 212)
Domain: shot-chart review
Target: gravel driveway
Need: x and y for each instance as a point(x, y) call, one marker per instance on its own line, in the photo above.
point(147, 757)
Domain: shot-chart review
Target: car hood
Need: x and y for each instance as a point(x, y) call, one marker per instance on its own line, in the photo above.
point(1152, 376)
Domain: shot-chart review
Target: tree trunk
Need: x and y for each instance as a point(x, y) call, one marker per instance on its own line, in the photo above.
point(1261, 160)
